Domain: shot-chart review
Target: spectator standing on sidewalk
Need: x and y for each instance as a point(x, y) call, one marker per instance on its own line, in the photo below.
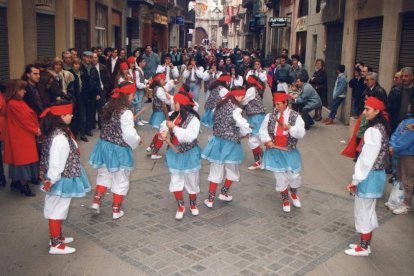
point(319, 82)
point(339, 93)
point(357, 85)
point(3, 109)
point(281, 77)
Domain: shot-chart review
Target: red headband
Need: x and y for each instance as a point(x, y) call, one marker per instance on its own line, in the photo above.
point(236, 93)
point(58, 110)
point(126, 89)
point(131, 60)
point(224, 77)
point(281, 97)
point(161, 76)
point(183, 99)
point(123, 66)
point(375, 103)
point(182, 89)
point(253, 80)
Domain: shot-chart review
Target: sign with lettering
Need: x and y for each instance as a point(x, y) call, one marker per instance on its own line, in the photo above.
point(301, 24)
point(179, 20)
point(160, 19)
point(278, 22)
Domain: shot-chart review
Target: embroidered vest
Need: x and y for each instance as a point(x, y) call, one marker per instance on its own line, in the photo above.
point(381, 161)
point(213, 77)
point(197, 79)
point(111, 130)
point(141, 77)
point(214, 98)
point(72, 166)
point(255, 106)
point(156, 102)
point(224, 124)
point(183, 147)
point(271, 127)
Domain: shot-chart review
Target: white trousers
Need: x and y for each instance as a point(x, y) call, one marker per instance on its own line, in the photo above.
point(56, 207)
point(220, 171)
point(365, 216)
point(285, 179)
point(189, 181)
point(254, 141)
point(118, 181)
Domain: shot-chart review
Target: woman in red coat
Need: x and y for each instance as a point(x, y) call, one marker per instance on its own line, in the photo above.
point(2, 132)
point(20, 150)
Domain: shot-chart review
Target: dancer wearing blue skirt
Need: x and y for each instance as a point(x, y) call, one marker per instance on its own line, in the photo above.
point(112, 155)
point(183, 156)
point(161, 104)
point(61, 172)
point(254, 108)
point(280, 132)
point(224, 150)
point(369, 177)
point(219, 88)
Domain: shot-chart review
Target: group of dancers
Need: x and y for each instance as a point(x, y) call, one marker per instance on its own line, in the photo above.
point(178, 122)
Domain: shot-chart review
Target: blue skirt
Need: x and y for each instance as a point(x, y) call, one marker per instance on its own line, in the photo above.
point(220, 151)
point(276, 160)
point(111, 156)
point(208, 118)
point(255, 121)
point(72, 187)
point(186, 162)
point(373, 185)
point(157, 117)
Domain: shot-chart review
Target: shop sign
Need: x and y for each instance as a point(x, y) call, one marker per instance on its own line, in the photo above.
point(301, 24)
point(278, 22)
point(135, 43)
point(179, 20)
point(160, 19)
point(46, 5)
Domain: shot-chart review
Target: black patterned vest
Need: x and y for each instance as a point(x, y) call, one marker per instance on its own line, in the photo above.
point(111, 130)
point(141, 77)
point(271, 127)
point(255, 106)
point(213, 77)
point(381, 161)
point(214, 98)
point(183, 147)
point(156, 102)
point(197, 79)
point(224, 123)
point(72, 166)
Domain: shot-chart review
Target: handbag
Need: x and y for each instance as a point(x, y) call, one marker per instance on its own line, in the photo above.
point(396, 196)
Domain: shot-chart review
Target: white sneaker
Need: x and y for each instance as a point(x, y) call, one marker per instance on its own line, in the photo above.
point(96, 208)
point(402, 210)
point(256, 165)
point(286, 206)
point(66, 240)
point(180, 214)
point(295, 200)
point(117, 215)
point(140, 123)
point(208, 203)
point(155, 156)
point(352, 252)
point(227, 198)
point(144, 122)
point(194, 211)
point(390, 206)
point(149, 149)
point(354, 245)
point(55, 250)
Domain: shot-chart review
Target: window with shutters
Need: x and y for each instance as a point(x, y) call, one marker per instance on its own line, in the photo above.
point(406, 58)
point(368, 47)
point(45, 25)
point(101, 25)
point(4, 46)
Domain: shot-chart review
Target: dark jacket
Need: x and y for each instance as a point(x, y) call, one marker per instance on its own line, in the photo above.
point(36, 99)
point(394, 105)
point(358, 86)
point(378, 92)
point(116, 68)
point(319, 81)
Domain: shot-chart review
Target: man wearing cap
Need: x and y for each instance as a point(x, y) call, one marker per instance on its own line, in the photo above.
point(170, 71)
point(280, 132)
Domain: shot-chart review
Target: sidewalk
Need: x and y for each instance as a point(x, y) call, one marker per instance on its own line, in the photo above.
point(249, 236)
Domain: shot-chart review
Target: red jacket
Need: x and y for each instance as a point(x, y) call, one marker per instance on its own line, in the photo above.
point(21, 129)
point(2, 117)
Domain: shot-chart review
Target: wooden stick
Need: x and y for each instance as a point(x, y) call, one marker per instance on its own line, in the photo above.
point(279, 148)
point(171, 145)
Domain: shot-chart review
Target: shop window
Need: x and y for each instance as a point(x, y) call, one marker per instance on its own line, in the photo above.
point(101, 25)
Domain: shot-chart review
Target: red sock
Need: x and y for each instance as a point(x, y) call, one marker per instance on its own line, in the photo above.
point(99, 192)
point(257, 151)
point(227, 183)
point(117, 201)
point(100, 189)
point(157, 142)
point(365, 236)
point(213, 187)
point(285, 195)
point(193, 198)
point(55, 227)
point(178, 195)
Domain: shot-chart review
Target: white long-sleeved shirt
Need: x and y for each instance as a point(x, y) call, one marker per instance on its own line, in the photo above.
point(296, 131)
point(241, 122)
point(238, 81)
point(369, 153)
point(166, 70)
point(163, 94)
point(208, 76)
point(58, 155)
point(261, 74)
point(184, 135)
point(199, 72)
point(140, 85)
point(129, 133)
point(250, 95)
point(223, 92)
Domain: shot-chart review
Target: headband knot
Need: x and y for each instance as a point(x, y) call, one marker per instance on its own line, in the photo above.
point(58, 110)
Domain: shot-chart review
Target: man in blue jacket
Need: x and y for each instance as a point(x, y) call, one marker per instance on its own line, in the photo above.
point(339, 93)
point(307, 101)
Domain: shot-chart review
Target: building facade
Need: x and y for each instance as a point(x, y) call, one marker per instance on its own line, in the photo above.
point(208, 13)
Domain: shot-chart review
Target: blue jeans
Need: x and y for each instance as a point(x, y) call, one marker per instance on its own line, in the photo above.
point(138, 103)
point(195, 89)
point(336, 103)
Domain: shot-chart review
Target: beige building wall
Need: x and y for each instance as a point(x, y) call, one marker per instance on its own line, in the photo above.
point(16, 38)
point(315, 28)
